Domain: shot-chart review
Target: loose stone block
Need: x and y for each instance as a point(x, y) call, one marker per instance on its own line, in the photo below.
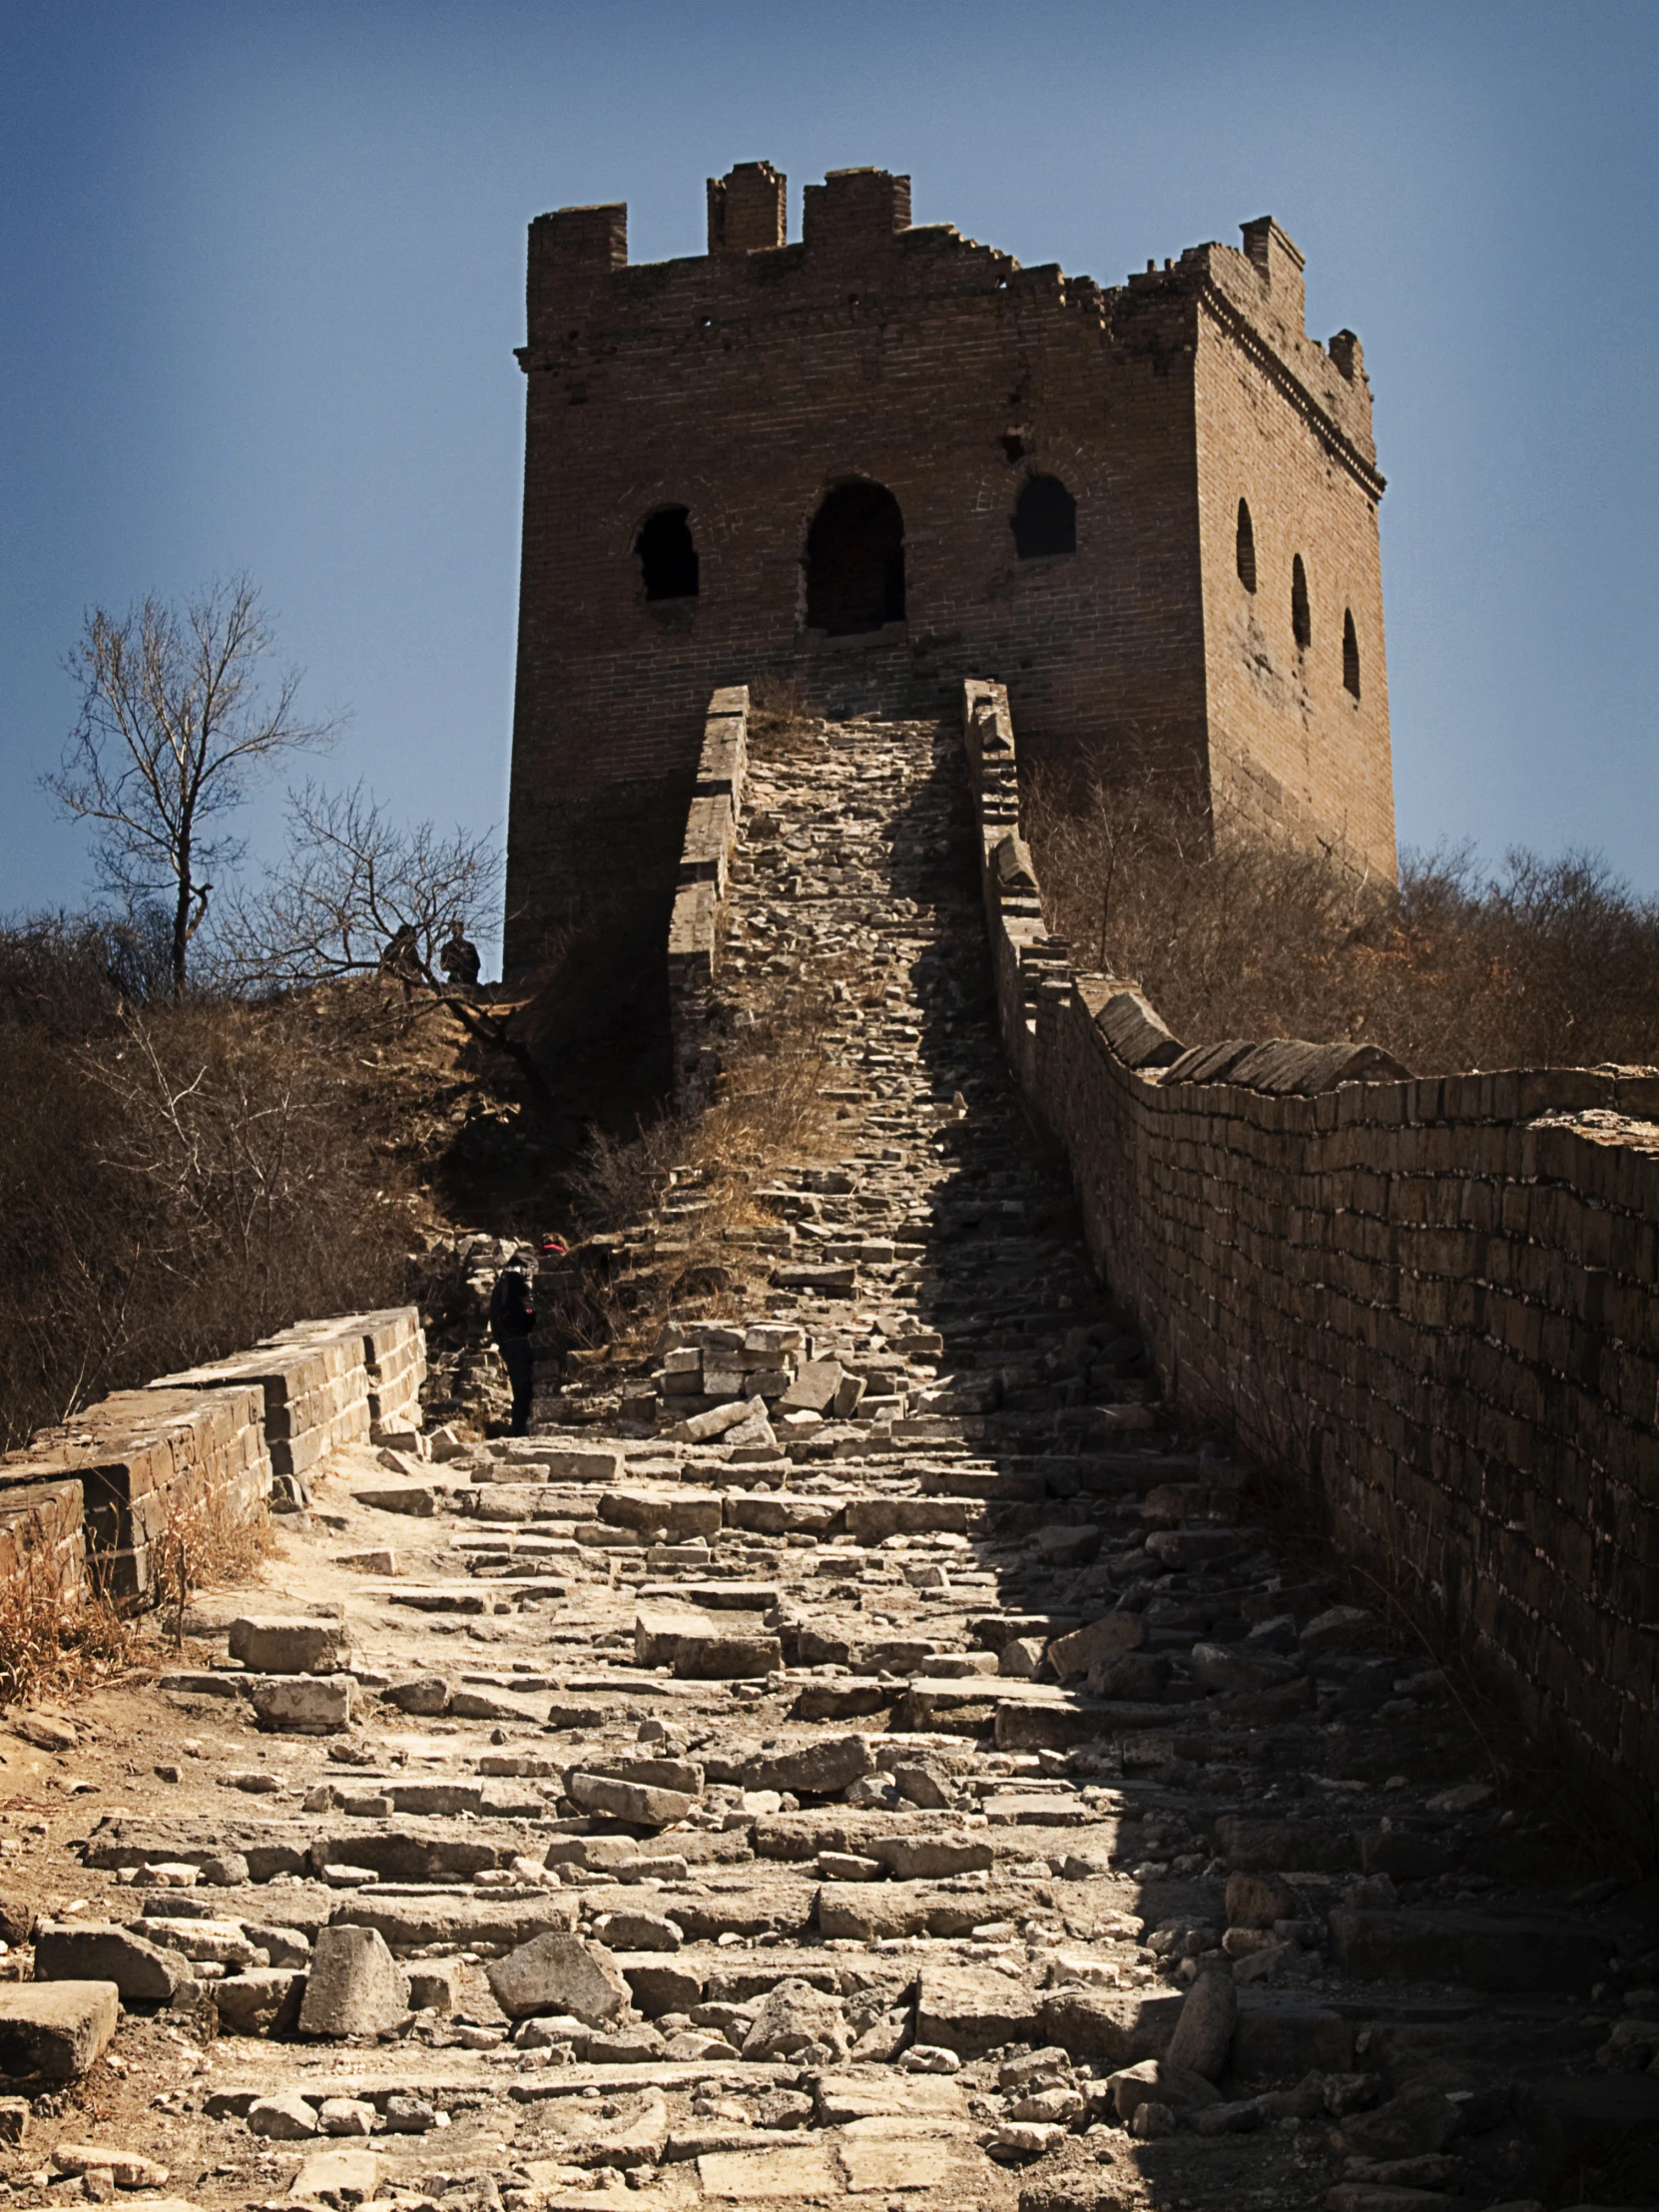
point(1204, 2032)
point(822, 1768)
point(1105, 1639)
point(636, 1801)
point(557, 1973)
point(971, 2010)
point(262, 2001)
point(128, 2169)
point(353, 1987)
point(287, 2117)
point(305, 1705)
point(96, 1951)
point(434, 1984)
point(425, 1692)
point(269, 1645)
point(57, 2028)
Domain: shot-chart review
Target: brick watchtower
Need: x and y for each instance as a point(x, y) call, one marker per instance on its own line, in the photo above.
point(885, 457)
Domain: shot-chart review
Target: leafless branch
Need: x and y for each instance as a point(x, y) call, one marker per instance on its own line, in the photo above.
point(349, 883)
point(176, 722)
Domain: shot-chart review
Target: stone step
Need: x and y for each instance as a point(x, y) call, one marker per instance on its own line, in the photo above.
point(856, 1823)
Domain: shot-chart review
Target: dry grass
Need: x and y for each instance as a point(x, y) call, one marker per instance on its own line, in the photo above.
point(1538, 963)
point(175, 1180)
point(768, 1111)
point(53, 1641)
point(208, 1545)
point(781, 721)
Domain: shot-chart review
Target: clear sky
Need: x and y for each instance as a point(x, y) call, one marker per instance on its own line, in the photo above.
point(262, 271)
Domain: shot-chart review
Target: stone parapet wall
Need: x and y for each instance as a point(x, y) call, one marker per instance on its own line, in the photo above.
point(713, 821)
point(139, 1460)
point(1432, 1299)
point(42, 1541)
point(90, 1502)
point(354, 1379)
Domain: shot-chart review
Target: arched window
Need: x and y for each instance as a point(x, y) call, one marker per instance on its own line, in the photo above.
point(1302, 622)
point(1351, 654)
point(1044, 519)
point(856, 561)
point(668, 557)
point(1244, 549)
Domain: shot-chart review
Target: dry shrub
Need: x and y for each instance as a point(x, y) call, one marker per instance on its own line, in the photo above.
point(1538, 963)
point(175, 1181)
point(51, 1641)
point(780, 717)
point(769, 1110)
point(208, 1545)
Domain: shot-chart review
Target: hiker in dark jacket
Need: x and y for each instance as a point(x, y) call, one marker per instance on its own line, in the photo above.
point(459, 959)
point(512, 1317)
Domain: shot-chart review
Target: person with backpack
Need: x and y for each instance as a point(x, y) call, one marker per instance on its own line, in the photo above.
point(512, 1318)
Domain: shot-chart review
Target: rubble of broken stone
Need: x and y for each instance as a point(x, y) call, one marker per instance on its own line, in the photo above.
point(868, 1749)
point(917, 1903)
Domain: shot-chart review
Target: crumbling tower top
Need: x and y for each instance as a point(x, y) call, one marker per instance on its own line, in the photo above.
point(747, 209)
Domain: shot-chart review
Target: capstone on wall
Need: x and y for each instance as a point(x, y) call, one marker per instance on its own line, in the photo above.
point(709, 442)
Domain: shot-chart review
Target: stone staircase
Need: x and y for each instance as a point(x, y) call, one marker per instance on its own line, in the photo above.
point(862, 1748)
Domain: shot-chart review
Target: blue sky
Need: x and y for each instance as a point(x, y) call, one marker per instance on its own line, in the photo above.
point(263, 266)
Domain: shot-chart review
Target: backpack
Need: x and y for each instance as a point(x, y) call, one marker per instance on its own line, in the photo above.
point(508, 1304)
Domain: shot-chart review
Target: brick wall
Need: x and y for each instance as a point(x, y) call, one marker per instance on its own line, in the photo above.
point(140, 1459)
point(88, 1502)
point(713, 821)
point(1434, 1300)
point(352, 1380)
point(741, 384)
point(1292, 749)
point(42, 1539)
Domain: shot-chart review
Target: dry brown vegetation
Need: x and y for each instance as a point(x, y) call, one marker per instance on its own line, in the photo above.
point(768, 1110)
point(208, 1545)
point(175, 1180)
point(1538, 963)
point(47, 1642)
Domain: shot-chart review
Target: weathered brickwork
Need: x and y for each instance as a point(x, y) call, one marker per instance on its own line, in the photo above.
point(351, 1380)
point(90, 1503)
point(142, 1458)
point(724, 398)
point(1283, 425)
point(712, 825)
point(42, 1539)
point(1434, 1299)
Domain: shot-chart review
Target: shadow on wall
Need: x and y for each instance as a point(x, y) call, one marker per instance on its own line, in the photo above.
point(1413, 1294)
point(856, 562)
point(597, 1024)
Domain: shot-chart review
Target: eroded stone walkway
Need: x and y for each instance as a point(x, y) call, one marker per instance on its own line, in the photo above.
point(863, 1751)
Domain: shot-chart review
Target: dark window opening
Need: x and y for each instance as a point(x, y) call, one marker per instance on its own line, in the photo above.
point(856, 561)
point(668, 557)
point(1014, 447)
point(1246, 549)
point(1302, 622)
point(1044, 519)
point(1351, 654)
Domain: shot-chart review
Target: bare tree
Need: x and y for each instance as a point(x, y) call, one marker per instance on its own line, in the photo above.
point(354, 894)
point(175, 723)
point(350, 884)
